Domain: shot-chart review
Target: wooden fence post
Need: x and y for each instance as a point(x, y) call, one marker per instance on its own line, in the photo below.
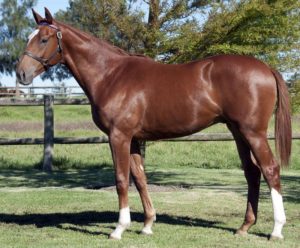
point(17, 89)
point(48, 133)
point(143, 149)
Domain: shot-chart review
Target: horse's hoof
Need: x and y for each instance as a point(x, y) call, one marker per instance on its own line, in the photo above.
point(114, 236)
point(275, 237)
point(241, 233)
point(147, 231)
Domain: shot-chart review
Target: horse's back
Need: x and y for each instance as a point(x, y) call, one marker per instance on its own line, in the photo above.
point(230, 88)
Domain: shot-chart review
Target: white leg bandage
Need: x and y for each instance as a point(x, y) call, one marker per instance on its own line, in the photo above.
point(279, 215)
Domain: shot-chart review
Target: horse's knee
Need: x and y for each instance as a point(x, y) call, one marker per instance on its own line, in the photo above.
point(122, 185)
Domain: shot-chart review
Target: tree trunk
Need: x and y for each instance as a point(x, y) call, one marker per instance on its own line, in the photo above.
point(153, 28)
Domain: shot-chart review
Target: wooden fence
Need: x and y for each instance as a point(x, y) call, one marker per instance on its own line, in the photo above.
point(49, 140)
point(38, 91)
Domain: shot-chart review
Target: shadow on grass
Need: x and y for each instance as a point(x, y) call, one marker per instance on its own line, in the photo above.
point(291, 185)
point(92, 218)
point(97, 176)
point(100, 175)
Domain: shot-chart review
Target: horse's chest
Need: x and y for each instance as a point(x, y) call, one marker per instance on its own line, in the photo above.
point(100, 119)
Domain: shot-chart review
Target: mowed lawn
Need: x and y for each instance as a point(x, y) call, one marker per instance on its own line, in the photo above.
point(203, 213)
point(197, 188)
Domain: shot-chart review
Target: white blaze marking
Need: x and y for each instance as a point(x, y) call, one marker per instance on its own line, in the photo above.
point(34, 33)
point(141, 166)
point(124, 222)
point(279, 215)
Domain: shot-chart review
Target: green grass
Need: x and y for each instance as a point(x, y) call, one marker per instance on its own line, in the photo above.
point(63, 115)
point(177, 155)
point(26, 113)
point(79, 113)
point(203, 216)
point(202, 201)
point(162, 154)
point(36, 113)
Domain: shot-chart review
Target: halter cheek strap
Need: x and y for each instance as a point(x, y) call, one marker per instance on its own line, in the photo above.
point(46, 61)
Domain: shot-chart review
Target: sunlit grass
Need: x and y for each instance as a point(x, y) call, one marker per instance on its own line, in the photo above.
point(203, 208)
point(205, 215)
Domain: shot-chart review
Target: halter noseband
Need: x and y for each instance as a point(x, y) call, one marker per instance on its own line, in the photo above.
point(45, 61)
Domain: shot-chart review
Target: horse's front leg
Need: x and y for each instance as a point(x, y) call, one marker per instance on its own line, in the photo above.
point(120, 148)
point(140, 180)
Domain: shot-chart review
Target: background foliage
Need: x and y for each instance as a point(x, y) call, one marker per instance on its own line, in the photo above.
point(15, 26)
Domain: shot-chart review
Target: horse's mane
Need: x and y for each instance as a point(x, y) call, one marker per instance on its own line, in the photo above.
point(107, 44)
point(119, 50)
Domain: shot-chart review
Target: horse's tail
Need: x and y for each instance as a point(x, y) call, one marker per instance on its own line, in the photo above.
point(283, 129)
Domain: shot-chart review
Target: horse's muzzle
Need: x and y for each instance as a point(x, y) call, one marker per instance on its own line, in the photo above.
point(23, 78)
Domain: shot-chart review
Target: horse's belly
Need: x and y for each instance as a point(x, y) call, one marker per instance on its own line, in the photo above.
point(176, 123)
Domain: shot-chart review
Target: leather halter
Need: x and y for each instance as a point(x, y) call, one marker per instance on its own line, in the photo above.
point(46, 61)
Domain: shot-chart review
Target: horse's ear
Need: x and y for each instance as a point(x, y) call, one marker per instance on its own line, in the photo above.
point(36, 16)
point(48, 16)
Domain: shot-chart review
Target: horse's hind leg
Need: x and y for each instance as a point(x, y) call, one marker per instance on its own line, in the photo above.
point(253, 175)
point(139, 178)
point(271, 172)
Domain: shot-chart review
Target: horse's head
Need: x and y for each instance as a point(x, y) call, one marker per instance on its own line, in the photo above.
point(44, 49)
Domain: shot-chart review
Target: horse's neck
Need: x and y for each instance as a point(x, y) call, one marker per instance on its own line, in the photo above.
point(90, 60)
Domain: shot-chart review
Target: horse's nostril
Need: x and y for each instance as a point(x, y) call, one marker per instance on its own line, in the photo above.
point(23, 75)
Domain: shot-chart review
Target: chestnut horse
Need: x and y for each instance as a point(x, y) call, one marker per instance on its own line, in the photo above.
point(134, 98)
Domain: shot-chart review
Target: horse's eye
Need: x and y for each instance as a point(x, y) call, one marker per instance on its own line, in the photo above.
point(44, 40)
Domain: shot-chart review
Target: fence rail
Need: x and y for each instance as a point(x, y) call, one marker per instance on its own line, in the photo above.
point(104, 139)
point(36, 91)
point(49, 140)
point(40, 101)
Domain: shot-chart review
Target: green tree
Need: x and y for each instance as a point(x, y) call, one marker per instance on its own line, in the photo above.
point(268, 30)
point(172, 31)
point(120, 22)
point(103, 18)
point(15, 26)
point(294, 83)
point(146, 30)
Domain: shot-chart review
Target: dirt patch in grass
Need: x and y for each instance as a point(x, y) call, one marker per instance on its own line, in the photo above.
point(21, 126)
point(76, 125)
point(39, 126)
point(151, 188)
point(132, 188)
